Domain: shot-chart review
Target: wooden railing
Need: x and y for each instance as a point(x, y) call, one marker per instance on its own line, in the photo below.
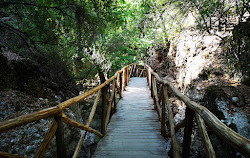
point(203, 117)
point(108, 105)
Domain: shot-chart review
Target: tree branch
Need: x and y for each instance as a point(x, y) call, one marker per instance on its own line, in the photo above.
point(20, 34)
point(7, 4)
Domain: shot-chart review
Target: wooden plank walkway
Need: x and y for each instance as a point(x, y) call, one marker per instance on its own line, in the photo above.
point(134, 130)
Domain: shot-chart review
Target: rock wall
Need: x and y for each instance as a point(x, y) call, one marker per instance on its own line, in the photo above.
point(191, 52)
point(211, 70)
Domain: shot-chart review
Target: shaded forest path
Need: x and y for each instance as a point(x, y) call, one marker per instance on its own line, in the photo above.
point(134, 130)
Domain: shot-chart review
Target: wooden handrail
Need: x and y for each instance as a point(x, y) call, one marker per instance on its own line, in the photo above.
point(120, 80)
point(122, 76)
point(234, 139)
point(7, 155)
point(79, 125)
point(24, 119)
point(35, 116)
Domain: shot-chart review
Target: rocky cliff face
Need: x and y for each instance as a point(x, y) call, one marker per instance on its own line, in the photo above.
point(192, 52)
point(204, 67)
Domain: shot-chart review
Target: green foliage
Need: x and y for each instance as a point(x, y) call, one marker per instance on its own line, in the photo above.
point(82, 35)
point(214, 13)
point(62, 29)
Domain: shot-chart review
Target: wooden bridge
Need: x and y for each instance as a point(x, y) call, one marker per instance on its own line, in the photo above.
point(134, 130)
point(138, 124)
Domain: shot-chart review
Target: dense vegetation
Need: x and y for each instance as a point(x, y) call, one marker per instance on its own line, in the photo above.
point(60, 41)
point(84, 36)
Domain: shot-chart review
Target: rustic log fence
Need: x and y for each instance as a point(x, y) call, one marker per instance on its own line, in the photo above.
point(108, 105)
point(193, 110)
point(119, 82)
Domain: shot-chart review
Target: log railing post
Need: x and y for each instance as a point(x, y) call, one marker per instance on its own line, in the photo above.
point(60, 145)
point(114, 97)
point(153, 91)
point(83, 135)
point(189, 116)
point(104, 102)
point(147, 76)
point(156, 99)
point(127, 75)
point(109, 109)
point(141, 74)
point(149, 79)
point(134, 69)
point(160, 95)
point(115, 104)
point(151, 86)
point(123, 80)
point(204, 136)
point(131, 71)
point(46, 141)
point(166, 101)
point(120, 82)
point(163, 113)
point(126, 69)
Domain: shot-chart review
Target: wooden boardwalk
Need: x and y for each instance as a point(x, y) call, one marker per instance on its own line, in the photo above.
point(134, 130)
